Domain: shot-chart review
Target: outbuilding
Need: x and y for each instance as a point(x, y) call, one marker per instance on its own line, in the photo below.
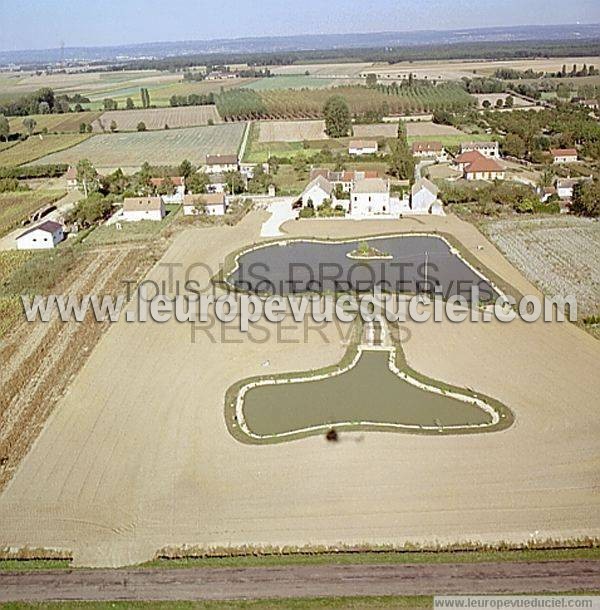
point(143, 208)
point(212, 204)
point(42, 237)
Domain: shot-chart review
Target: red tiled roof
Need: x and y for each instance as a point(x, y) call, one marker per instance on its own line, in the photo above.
point(175, 181)
point(483, 164)
point(563, 152)
point(426, 147)
point(469, 156)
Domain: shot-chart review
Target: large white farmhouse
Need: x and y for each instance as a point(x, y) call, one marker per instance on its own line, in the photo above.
point(369, 197)
point(143, 208)
point(219, 164)
point(42, 237)
point(487, 149)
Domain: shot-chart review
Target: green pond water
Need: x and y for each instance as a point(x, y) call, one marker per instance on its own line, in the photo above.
point(368, 392)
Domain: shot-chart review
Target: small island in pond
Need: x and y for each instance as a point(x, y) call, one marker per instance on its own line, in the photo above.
point(366, 252)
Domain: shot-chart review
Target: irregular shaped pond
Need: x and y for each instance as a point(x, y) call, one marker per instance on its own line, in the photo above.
point(367, 395)
point(415, 262)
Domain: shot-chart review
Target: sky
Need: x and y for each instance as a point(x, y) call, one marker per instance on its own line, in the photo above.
point(40, 24)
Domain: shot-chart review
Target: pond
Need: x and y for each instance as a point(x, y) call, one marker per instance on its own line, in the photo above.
point(412, 263)
point(369, 392)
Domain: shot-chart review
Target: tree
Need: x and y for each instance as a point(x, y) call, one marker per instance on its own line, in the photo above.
point(586, 199)
point(509, 102)
point(235, 182)
point(43, 108)
point(113, 126)
point(90, 210)
point(499, 103)
point(29, 123)
point(141, 126)
point(87, 176)
point(337, 117)
point(82, 128)
point(129, 104)
point(371, 80)
point(486, 104)
point(515, 146)
point(4, 128)
point(197, 182)
point(186, 169)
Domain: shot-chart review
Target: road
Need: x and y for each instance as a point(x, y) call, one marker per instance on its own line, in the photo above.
point(301, 581)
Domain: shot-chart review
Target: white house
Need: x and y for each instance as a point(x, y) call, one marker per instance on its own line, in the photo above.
point(369, 197)
point(428, 150)
point(564, 155)
point(178, 185)
point(316, 192)
point(71, 177)
point(217, 183)
point(42, 237)
point(487, 149)
point(219, 164)
point(213, 204)
point(423, 195)
point(143, 208)
point(362, 147)
point(345, 179)
point(564, 186)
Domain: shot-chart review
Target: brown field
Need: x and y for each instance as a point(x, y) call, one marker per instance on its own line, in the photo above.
point(69, 121)
point(432, 129)
point(16, 207)
point(291, 131)
point(149, 462)
point(38, 146)
point(157, 118)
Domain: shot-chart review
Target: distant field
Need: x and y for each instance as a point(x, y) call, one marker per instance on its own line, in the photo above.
point(560, 255)
point(161, 92)
point(291, 131)
point(67, 122)
point(16, 207)
point(157, 118)
point(332, 70)
point(433, 129)
point(37, 146)
point(290, 82)
point(130, 150)
point(308, 104)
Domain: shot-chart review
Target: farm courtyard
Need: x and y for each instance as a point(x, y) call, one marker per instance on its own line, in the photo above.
point(156, 466)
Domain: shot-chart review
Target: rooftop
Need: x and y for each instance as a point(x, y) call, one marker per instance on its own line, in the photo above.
point(145, 204)
point(48, 226)
point(371, 185)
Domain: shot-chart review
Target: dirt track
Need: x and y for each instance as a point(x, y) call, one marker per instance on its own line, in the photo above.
point(137, 455)
point(301, 581)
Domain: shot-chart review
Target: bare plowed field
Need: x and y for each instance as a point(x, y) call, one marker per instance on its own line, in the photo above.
point(432, 129)
point(157, 118)
point(291, 131)
point(130, 150)
point(137, 454)
point(561, 256)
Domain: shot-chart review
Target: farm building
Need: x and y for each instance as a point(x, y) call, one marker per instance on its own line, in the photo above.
point(170, 193)
point(316, 192)
point(564, 186)
point(344, 179)
point(362, 147)
point(219, 164)
point(217, 183)
point(424, 150)
point(564, 155)
point(42, 237)
point(213, 204)
point(475, 166)
point(370, 197)
point(71, 177)
point(143, 208)
point(487, 149)
point(424, 194)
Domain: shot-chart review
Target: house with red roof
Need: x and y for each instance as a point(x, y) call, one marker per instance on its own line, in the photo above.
point(475, 166)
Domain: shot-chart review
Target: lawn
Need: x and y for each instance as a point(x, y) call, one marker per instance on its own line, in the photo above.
point(16, 207)
point(37, 146)
point(167, 147)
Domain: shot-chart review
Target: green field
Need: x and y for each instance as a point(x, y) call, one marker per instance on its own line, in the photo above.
point(16, 207)
point(308, 103)
point(290, 82)
point(167, 147)
point(37, 146)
